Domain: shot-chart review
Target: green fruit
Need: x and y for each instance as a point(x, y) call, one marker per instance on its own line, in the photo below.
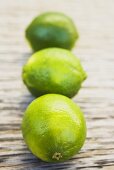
point(51, 29)
point(53, 70)
point(54, 128)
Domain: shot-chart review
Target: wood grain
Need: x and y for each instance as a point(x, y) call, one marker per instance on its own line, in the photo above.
point(95, 48)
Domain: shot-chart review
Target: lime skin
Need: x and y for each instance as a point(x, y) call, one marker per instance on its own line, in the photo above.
point(54, 128)
point(51, 29)
point(53, 70)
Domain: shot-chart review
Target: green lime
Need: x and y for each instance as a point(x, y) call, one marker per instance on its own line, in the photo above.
point(53, 70)
point(51, 29)
point(54, 128)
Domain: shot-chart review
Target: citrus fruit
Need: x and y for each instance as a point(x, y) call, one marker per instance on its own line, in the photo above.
point(54, 128)
point(51, 29)
point(53, 70)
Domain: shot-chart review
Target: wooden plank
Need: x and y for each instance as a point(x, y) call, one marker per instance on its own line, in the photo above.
point(95, 48)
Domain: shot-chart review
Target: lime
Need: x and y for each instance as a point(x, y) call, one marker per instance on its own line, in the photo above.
point(51, 29)
point(54, 128)
point(53, 70)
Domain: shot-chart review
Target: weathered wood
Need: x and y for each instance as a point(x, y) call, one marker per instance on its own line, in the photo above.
point(95, 48)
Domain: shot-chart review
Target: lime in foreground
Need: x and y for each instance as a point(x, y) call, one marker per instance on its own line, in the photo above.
point(54, 128)
point(51, 29)
point(53, 70)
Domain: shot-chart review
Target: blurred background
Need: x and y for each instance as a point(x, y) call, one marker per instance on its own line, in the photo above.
point(95, 47)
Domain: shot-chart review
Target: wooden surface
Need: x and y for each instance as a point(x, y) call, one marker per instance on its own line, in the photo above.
point(95, 22)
